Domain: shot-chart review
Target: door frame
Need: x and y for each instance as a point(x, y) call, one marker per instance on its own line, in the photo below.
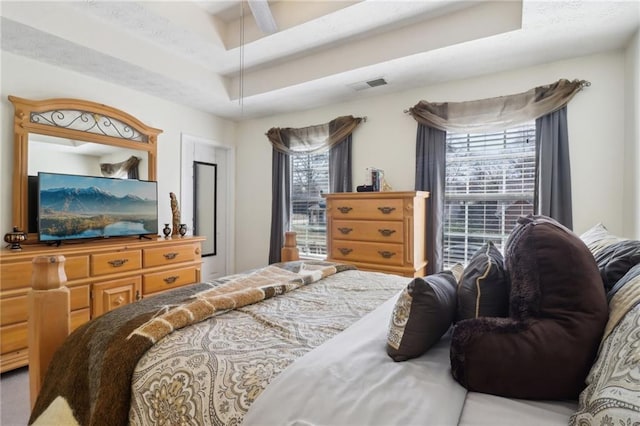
point(188, 141)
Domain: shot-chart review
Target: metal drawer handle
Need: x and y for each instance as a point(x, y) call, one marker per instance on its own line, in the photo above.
point(386, 254)
point(345, 251)
point(345, 231)
point(386, 232)
point(118, 262)
point(138, 295)
point(172, 279)
point(345, 210)
point(170, 256)
point(386, 210)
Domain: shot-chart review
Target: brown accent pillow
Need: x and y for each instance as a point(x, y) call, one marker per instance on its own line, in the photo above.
point(423, 312)
point(484, 287)
point(557, 315)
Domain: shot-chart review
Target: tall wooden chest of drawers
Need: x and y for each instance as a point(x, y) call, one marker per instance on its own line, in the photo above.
point(378, 231)
point(101, 276)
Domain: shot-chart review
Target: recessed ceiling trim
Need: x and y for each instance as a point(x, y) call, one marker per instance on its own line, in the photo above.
point(262, 14)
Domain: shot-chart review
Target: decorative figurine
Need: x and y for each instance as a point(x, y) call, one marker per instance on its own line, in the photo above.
point(175, 211)
point(15, 238)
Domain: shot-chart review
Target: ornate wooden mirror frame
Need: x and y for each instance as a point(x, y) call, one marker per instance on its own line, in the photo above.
point(73, 119)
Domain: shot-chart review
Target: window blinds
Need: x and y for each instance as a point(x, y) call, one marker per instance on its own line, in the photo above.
point(490, 182)
point(309, 180)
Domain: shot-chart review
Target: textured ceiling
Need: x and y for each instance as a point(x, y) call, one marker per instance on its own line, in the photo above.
point(192, 52)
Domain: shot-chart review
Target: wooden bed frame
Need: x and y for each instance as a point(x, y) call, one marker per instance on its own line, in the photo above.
point(50, 298)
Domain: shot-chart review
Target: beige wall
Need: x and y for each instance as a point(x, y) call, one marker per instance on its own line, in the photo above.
point(602, 139)
point(631, 189)
point(35, 80)
point(387, 141)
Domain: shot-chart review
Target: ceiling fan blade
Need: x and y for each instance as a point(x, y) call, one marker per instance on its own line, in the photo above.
point(262, 14)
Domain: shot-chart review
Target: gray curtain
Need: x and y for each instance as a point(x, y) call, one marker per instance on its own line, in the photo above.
point(553, 170)
point(430, 176)
point(334, 136)
point(281, 193)
point(340, 174)
point(546, 104)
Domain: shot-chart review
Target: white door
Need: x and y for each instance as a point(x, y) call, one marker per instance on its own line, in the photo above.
point(216, 249)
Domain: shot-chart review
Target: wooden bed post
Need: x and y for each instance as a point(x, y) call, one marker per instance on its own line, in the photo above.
point(290, 249)
point(49, 317)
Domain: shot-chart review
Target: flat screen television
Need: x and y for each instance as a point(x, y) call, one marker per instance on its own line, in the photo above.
point(75, 207)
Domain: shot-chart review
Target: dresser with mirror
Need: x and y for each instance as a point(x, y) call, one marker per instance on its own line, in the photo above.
point(79, 137)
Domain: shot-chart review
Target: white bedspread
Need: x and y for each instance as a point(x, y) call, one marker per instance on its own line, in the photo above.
point(350, 380)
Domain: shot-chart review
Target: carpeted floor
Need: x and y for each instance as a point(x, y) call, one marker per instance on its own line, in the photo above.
point(14, 397)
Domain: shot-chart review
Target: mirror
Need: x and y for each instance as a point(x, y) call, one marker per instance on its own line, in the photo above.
point(73, 136)
point(205, 192)
point(58, 155)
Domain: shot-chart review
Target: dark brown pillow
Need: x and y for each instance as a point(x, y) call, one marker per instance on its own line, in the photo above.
point(484, 287)
point(423, 312)
point(557, 313)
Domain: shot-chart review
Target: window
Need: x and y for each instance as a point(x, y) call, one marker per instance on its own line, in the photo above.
point(309, 180)
point(490, 182)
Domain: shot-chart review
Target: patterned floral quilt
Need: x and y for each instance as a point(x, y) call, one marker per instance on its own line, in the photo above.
point(173, 359)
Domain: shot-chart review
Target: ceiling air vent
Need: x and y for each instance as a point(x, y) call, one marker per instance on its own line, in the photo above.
point(362, 85)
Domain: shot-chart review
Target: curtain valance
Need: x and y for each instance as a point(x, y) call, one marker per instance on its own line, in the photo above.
point(312, 139)
point(124, 169)
point(496, 113)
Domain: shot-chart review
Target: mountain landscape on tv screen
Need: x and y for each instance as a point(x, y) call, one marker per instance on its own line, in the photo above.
point(94, 212)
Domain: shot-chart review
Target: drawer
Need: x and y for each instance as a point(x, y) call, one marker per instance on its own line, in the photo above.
point(112, 294)
point(76, 267)
point(15, 275)
point(111, 263)
point(16, 309)
point(161, 281)
point(18, 275)
point(168, 255)
point(13, 310)
point(13, 337)
point(379, 253)
point(79, 297)
point(383, 231)
point(389, 209)
point(78, 318)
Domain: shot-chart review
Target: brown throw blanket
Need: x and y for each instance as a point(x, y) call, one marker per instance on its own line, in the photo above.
point(93, 369)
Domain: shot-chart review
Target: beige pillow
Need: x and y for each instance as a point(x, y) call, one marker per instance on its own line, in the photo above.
point(598, 238)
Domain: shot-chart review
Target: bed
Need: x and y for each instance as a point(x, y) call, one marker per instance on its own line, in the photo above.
point(303, 343)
